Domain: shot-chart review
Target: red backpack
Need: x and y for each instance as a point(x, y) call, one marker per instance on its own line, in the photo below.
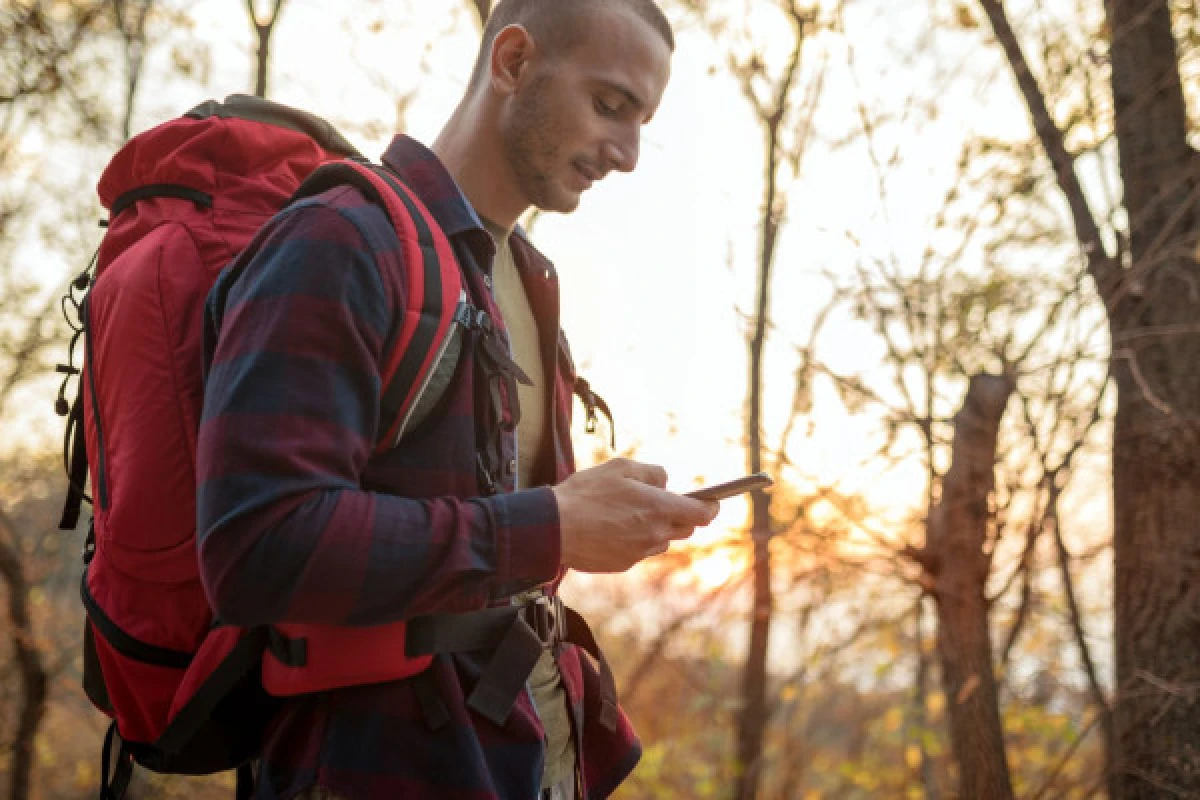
point(185, 693)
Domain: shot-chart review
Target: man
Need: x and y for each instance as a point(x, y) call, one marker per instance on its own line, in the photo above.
point(299, 523)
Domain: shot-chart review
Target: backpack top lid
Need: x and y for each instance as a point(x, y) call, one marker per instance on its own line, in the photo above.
point(245, 155)
point(229, 150)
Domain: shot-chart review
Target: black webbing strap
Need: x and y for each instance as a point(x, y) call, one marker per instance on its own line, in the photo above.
point(75, 455)
point(202, 199)
point(515, 648)
point(114, 786)
point(458, 633)
point(101, 488)
point(244, 656)
point(245, 782)
point(503, 632)
point(290, 651)
point(506, 672)
point(93, 678)
point(501, 369)
point(125, 644)
point(578, 633)
point(498, 369)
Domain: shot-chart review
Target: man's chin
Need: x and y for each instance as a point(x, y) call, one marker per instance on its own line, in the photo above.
point(560, 203)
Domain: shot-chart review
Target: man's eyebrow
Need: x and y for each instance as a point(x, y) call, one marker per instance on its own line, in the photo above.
point(625, 92)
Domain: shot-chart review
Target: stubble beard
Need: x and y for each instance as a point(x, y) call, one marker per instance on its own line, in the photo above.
point(530, 139)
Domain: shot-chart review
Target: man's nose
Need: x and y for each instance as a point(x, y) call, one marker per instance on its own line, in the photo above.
point(622, 154)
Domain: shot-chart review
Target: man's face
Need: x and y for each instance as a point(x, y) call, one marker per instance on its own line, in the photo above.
point(579, 116)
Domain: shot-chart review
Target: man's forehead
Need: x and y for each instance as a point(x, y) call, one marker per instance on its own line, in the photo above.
point(625, 51)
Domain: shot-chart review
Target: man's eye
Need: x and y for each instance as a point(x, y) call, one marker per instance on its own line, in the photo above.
point(605, 108)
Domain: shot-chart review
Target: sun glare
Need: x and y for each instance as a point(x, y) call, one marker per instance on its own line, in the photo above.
point(716, 558)
point(716, 569)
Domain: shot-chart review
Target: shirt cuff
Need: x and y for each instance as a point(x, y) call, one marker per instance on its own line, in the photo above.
point(528, 539)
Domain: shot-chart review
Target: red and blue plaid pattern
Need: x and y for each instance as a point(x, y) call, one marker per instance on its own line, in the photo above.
point(298, 522)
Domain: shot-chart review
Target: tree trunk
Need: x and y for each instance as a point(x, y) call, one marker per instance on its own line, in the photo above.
point(131, 23)
point(928, 777)
point(1155, 325)
point(32, 672)
point(263, 31)
point(955, 558)
point(1154, 318)
point(752, 721)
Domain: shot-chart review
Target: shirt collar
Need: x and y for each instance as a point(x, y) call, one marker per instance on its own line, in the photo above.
point(423, 172)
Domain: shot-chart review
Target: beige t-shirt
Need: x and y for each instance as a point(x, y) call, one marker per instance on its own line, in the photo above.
point(509, 292)
point(545, 682)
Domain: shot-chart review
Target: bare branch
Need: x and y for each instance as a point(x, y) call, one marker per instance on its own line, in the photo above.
point(1105, 272)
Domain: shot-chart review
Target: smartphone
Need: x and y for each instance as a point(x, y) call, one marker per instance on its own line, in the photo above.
point(720, 491)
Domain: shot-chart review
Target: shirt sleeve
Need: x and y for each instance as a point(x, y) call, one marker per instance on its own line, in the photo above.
point(285, 531)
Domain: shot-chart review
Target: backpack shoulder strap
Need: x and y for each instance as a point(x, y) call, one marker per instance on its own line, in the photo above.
point(436, 289)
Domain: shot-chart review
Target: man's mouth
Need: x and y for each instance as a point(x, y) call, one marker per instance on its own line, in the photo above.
point(588, 174)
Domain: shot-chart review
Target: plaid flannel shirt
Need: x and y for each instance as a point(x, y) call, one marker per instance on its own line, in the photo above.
point(299, 522)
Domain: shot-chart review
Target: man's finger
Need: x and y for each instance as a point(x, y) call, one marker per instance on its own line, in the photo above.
point(657, 550)
point(678, 509)
point(651, 474)
point(681, 531)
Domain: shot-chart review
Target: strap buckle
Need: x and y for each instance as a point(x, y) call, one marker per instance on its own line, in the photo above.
point(546, 617)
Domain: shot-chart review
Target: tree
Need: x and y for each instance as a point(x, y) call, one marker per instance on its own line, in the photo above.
point(955, 557)
point(263, 28)
point(950, 335)
point(29, 659)
point(784, 119)
point(130, 17)
point(950, 328)
point(53, 51)
point(1146, 282)
point(47, 47)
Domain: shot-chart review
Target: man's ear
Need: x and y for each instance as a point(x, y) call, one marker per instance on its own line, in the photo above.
point(512, 51)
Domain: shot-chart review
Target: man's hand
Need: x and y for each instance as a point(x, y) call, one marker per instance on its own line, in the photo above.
point(616, 514)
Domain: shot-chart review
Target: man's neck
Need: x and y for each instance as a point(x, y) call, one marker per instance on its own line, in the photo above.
point(475, 159)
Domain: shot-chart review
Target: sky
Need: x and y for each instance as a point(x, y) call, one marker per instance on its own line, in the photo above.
point(658, 267)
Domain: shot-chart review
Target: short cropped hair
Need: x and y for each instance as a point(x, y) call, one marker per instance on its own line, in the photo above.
point(559, 26)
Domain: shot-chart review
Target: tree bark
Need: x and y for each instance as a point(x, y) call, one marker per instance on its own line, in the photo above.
point(955, 559)
point(1153, 310)
point(1156, 471)
point(34, 679)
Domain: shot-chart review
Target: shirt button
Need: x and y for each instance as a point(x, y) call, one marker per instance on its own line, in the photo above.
point(487, 281)
point(511, 467)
